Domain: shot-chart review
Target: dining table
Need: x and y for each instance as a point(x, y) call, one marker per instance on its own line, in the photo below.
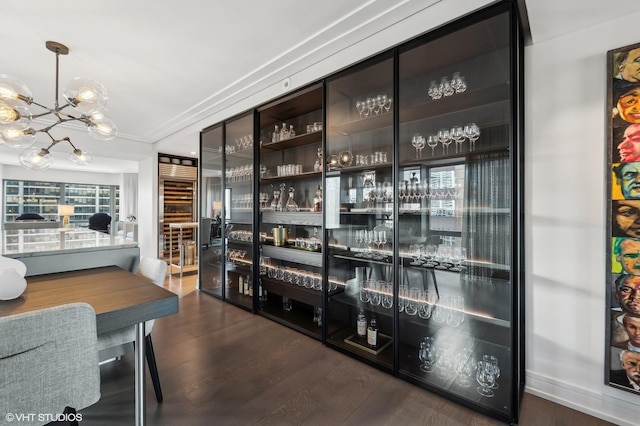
point(119, 298)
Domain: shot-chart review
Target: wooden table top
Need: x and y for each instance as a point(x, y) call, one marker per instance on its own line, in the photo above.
point(119, 297)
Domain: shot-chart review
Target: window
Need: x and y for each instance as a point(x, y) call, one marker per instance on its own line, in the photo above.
point(43, 198)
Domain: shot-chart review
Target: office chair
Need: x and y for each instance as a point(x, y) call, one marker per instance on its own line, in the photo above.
point(29, 216)
point(49, 361)
point(115, 343)
point(100, 222)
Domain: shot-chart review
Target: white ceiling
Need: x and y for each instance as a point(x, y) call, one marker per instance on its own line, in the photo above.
point(173, 68)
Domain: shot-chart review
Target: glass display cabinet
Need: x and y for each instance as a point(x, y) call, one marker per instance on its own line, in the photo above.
point(359, 186)
point(290, 211)
point(387, 205)
point(238, 210)
point(455, 199)
point(212, 252)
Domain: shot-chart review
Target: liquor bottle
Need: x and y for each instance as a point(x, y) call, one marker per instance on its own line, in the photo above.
point(361, 324)
point(284, 134)
point(372, 332)
point(292, 132)
point(241, 284)
point(276, 135)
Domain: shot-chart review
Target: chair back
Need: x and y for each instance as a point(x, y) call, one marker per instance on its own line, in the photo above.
point(100, 222)
point(153, 269)
point(49, 361)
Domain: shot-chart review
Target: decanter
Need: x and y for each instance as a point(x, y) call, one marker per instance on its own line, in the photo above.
point(317, 166)
point(317, 200)
point(276, 200)
point(276, 135)
point(291, 205)
point(292, 132)
point(284, 134)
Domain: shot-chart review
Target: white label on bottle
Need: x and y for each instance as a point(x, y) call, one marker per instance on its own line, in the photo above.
point(372, 337)
point(362, 327)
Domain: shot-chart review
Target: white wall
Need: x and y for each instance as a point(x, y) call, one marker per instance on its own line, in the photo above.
point(565, 220)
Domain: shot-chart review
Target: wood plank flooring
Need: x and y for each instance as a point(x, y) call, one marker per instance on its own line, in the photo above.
point(221, 365)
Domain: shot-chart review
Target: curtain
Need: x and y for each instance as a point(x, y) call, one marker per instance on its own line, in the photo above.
point(486, 226)
point(129, 196)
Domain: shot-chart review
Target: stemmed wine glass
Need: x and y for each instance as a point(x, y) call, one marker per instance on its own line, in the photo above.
point(445, 138)
point(361, 106)
point(418, 143)
point(434, 91)
point(472, 132)
point(486, 378)
point(416, 253)
point(493, 365)
point(458, 82)
point(457, 134)
point(432, 141)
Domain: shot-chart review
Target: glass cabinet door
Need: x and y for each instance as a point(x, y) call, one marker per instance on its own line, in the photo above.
point(454, 202)
point(238, 211)
point(211, 249)
point(359, 187)
point(291, 198)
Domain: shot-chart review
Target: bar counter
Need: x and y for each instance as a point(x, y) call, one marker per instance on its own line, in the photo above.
point(46, 251)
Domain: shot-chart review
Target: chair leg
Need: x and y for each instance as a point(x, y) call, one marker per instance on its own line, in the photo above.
point(153, 368)
point(73, 420)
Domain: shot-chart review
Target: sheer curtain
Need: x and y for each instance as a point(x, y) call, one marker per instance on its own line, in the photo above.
point(129, 195)
point(486, 225)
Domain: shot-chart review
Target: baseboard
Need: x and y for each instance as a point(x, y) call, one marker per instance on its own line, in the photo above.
point(606, 403)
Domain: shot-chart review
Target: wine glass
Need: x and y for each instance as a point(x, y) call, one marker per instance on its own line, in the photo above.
point(486, 378)
point(472, 132)
point(416, 252)
point(359, 239)
point(434, 91)
point(493, 362)
point(465, 365)
point(444, 363)
point(445, 87)
point(457, 134)
point(458, 82)
point(427, 354)
point(361, 106)
point(432, 141)
point(418, 143)
point(445, 139)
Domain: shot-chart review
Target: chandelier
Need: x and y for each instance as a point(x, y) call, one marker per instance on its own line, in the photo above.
point(84, 96)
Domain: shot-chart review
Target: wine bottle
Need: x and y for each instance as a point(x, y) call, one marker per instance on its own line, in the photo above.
point(361, 324)
point(372, 332)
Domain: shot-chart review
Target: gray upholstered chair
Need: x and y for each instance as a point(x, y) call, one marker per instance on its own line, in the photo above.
point(48, 362)
point(119, 342)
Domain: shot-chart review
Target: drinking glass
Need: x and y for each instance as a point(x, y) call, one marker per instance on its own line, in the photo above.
point(416, 252)
point(403, 294)
point(432, 141)
point(444, 363)
point(427, 354)
point(434, 90)
point(424, 310)
point(493, 362)
point(359, 237)
point(465, 366)
point(286, 304)
point(486, 378)
point(445, 87)
point(411, 306)
point(457, 134)
point(375, 297)
point(364, 291)
point(455, 313)
point(387, 296)
point(418, 143)
point(444, 136)
point(472, 132)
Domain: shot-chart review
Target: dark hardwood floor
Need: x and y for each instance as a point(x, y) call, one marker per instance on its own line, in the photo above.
point(221, 365)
